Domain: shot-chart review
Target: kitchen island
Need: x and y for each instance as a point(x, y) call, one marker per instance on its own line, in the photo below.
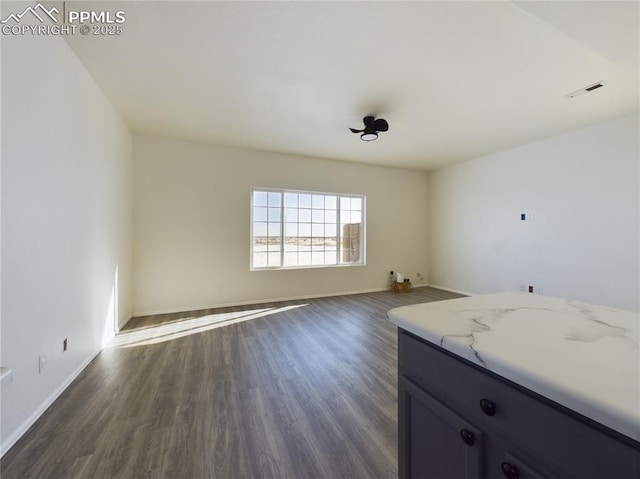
point(518, 385)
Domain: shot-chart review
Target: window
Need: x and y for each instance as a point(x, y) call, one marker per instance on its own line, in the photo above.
point(299, 229)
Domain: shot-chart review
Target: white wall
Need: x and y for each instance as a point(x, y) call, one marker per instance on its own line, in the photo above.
point(191, 224)
point(66, 223)
point(580, 191)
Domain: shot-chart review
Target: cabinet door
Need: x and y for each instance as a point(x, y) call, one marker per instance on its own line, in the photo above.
point(434, 441)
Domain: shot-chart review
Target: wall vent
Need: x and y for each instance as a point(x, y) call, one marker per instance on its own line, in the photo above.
point(586, 89)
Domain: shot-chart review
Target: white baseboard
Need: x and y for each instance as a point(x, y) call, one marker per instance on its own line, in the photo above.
point(121, 324)
point(17, 434)
point(451, 290)
point(287, 298)
point(258, 301)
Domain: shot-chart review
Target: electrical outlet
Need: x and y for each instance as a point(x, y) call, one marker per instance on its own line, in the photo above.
point(419, 276)
point(65, 344)
point(530, 289)
point(42, 362)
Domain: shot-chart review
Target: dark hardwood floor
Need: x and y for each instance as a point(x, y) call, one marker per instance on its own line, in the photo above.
point(289, 390)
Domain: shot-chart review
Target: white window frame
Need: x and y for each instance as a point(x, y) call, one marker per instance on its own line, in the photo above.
point(363, 232)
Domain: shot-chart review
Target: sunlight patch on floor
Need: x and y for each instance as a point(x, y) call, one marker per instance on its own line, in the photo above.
point(186, 327)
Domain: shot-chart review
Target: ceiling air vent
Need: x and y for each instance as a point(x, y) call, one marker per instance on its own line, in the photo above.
point(587, 89)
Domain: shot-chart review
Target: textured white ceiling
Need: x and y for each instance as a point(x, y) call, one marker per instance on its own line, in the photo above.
point(455, 80)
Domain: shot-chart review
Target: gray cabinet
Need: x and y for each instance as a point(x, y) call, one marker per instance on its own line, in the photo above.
point(439, 443)
point(445, 400)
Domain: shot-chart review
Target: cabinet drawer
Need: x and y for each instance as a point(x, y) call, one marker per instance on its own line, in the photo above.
point(567, 441)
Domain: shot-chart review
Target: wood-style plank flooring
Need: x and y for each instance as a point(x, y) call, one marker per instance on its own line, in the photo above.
point(297, 389)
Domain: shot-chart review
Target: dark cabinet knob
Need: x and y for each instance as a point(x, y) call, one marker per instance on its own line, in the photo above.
point(510, 471)
point(488, 407)
point(467, 437)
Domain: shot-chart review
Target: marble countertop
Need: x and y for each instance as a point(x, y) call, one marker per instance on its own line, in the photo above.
point(6, 376)
point(582, 356)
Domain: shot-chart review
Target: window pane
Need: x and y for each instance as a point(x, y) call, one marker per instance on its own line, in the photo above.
point(291, 259)
point(317, 257)
point(350, 248)
point(291, 229)
point(259, 214)
point(345, 217)
point(356, 203)
point(304, 259)
point(330, 257)
point(330, 202)
point(260, 244)
point(274, 229)
point(273, 243)
point(259, 229)
point(356, 216)
point(330, 216)
point(291, 243)
point(331, 242)
point(304, 229)
point(317, 216)
point(317, 201)
point(304, 201)
point(330, 229)
point(259, 260)
point(345, 203)
point(304, 216)
point(317, 230)
point(274, 199)
point(291, 215)
point(259, 198)
point(304, 244)
point(291, 200)
point(274, 259)
point(274, 214)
